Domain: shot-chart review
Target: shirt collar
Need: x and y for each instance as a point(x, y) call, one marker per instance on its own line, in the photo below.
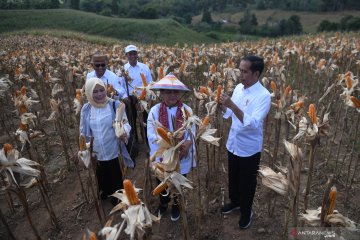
point(253, 88)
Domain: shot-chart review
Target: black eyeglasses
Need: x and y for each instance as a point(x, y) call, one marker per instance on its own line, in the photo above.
point(100, 64)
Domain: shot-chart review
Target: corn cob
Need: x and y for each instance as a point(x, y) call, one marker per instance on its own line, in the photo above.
point(23, 109)
point(312, 113)
point(142, 95)
point(82, 143)
point(348, 82)
point(7, 148)
point(355, 101)
point(287, 91)
point(23, 90)
point(161, 187)
point(213, 68)
point(163, 134)
point(143, 79)
point(205, 121)
point(332, 200)
point(131, 193)
point(210, 84)
point(78, 94)
point(204, 90)
point(24, 127)
point(273, 86)
point(161, 73)
point(218, 93)
point(187, 113)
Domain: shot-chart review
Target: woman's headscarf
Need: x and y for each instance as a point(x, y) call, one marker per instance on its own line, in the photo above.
point(89, 88)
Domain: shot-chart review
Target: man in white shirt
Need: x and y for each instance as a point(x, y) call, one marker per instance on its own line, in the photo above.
point(248, 107)
point(134, 68)
point(99, 63)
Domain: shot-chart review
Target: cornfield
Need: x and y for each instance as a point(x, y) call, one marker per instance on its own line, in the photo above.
point(310, 157)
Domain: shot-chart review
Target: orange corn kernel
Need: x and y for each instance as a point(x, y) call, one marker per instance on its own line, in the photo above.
point(355, 101)
point(163, 134)
point(161, 187)
point(312, 113)
point(131, 193)
point(143, 79)
point(218, 93)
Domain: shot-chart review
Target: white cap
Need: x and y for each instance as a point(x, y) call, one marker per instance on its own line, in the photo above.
point(130, 48)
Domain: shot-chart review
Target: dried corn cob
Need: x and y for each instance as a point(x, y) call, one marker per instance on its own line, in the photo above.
point(131, 193)
point(332, 200)
point(312, 113)
point(7, 148)
point(348, 82)
point(142, 95)
point(218, 93)
point(24, 127)
point(205, 121)
point(273, 86)
point(78, 94)
point(210, 84)
point(213, 68)
point(143, 79)
point(161, 72)
point(23, 109)
point(204, 90)
point(161, 187)
point(355, 101)
point(82, 143)
point(163, 134)
point(23, 90)
point(287, 91)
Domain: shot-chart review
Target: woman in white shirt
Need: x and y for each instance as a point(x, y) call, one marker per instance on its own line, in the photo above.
point(96, 121)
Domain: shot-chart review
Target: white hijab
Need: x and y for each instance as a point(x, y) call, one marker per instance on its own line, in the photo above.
point(89, 88)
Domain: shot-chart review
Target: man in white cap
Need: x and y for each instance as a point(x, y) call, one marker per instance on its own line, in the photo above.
point(171, 90)
point(99, 63)
point(134, 69)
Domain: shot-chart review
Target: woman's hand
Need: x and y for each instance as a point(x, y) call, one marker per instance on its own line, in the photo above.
point(184, 149)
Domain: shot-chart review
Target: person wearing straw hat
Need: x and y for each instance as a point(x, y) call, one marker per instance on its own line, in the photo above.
point(96, 120)
point(99, 63)
point(171, 90)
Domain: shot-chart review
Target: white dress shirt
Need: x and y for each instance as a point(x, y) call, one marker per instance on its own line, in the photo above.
point(111, 78)
point(134, 73)
point(186, 162)
point(246, 138)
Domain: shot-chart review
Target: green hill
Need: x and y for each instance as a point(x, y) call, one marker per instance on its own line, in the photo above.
point(161, 31)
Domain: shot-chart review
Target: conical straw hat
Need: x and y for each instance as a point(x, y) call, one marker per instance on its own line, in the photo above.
point(169, 82)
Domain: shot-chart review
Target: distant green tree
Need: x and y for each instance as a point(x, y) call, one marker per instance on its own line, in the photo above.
point(295, 24)
point(148, 13)
point(327, 26)
point(206, 17)
point(75, 4)
point(248, 23)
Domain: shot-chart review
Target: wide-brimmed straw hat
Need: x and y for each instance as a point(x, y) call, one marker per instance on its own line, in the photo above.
point(169, 82)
